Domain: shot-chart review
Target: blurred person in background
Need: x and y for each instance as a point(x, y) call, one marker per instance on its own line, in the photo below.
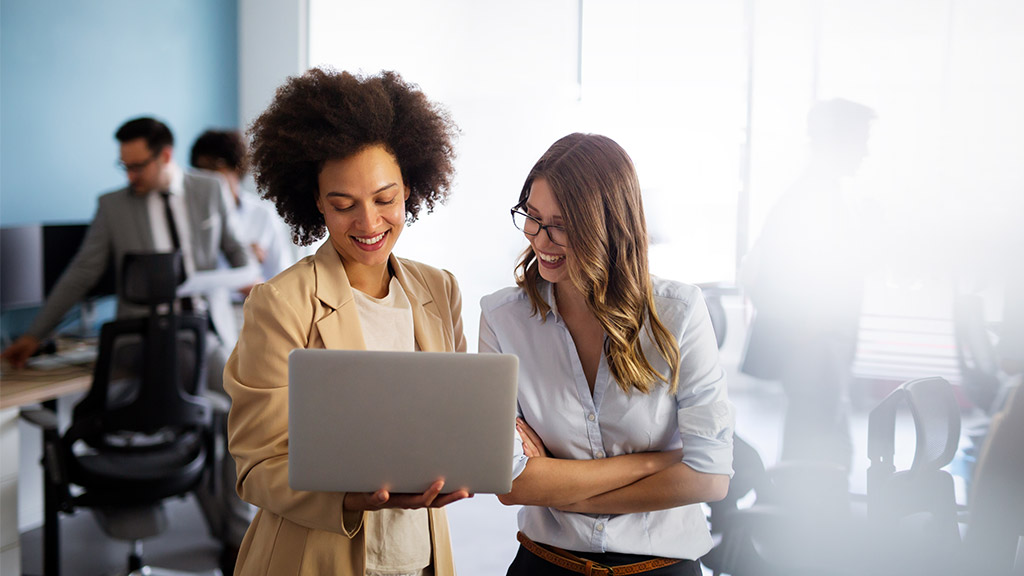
point(805, 278)
point(259, 227)
point(162, 208)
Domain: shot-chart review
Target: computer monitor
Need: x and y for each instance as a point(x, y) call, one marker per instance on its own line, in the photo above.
point(60, 244)
point(21, 267)
point(32, 259)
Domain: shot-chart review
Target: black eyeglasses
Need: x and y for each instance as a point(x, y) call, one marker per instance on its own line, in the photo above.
point(137, 167)
point(531, 227)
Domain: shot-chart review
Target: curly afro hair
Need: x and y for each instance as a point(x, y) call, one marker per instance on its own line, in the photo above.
point(325, 115)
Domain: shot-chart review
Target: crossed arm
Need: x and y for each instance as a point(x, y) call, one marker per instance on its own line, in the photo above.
point(640, 482)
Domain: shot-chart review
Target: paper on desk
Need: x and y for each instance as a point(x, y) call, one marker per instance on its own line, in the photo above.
point(207, 281)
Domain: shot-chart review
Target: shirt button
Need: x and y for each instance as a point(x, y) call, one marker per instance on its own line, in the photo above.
point(600, 454)
point(600, 527)
point(591, 417)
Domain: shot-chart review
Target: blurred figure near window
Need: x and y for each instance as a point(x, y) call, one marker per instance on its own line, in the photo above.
point(805, 279)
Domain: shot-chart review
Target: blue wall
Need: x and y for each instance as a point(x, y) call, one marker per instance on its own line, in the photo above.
point(73, 71)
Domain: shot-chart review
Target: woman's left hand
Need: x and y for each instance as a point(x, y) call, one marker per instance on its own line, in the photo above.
point(533, 446)
point(432, 498)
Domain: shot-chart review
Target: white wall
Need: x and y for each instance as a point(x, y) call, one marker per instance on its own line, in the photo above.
point(272, 45)
point(660, 78)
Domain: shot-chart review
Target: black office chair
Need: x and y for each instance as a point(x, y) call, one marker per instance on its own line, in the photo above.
point(748, 474)
point(913, 512)
point(142, 432)
point(805, 520)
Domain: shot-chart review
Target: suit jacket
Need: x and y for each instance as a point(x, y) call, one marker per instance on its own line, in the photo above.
point(310, 305)
point(121, 225)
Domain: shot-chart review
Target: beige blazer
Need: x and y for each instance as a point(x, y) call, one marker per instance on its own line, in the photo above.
point(310, 305)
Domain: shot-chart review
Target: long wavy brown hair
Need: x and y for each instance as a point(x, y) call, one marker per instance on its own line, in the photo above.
point(597, 189)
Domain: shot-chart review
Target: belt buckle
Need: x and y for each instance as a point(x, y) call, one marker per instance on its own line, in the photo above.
point(598, 566)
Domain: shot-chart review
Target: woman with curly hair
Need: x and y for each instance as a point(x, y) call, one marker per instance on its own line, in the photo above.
point(355, 158)
point(624, 423)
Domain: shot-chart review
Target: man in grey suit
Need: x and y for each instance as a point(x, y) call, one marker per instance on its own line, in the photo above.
point(163, 208)
point(135, 219)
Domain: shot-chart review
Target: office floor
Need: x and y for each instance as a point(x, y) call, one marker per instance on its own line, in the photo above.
point(483, 531)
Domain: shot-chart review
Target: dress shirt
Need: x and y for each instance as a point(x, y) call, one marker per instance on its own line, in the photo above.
point(123, 224)
point(555, 400)
point(159, 225)
point(258, 224)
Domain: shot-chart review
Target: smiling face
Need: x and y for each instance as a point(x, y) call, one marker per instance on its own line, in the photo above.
point(551, 258)
point(362, 198)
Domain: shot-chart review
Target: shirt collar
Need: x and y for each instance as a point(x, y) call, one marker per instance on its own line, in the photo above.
point(246, 200)
point(177, 186)
point(547, 292)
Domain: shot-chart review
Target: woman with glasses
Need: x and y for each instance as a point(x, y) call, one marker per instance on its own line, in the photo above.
point(355, 158)
point(625, 426)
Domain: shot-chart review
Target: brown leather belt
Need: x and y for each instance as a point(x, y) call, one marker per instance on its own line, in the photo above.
point(573, 563)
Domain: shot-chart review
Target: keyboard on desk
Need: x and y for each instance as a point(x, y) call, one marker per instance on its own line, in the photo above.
point(63, 359)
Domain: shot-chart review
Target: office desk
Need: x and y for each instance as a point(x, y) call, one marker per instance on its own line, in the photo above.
point(27, 386)
point(19, 388)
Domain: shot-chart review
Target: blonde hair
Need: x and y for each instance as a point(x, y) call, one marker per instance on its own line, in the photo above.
point(596, 188)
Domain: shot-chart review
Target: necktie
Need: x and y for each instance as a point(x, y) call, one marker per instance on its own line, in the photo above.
point(186, 303)
point(170, 220)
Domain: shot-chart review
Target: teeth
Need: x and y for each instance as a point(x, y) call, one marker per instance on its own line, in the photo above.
point(373, 240)
point(550, 258)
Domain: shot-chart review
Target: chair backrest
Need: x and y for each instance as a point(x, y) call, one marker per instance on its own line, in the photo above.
point(936, 417)
point(148, 373)
point(749, 474)
point(151, 278)
point(996, 501)
point(913, 512)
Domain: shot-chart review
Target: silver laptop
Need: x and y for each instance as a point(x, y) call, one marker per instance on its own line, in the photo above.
point(362, 420)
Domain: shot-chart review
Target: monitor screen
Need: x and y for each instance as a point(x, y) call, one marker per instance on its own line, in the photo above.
point(21, 267)
point(60, 244)
point(32, 259)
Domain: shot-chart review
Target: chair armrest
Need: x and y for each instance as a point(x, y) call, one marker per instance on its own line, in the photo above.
point(219, 402)
point(54, 467)
point(41, 417)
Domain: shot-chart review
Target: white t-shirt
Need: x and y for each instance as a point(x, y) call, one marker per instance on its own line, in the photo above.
point(399, 541)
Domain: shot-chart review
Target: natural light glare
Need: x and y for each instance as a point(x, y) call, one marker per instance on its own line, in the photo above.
point(711, 101)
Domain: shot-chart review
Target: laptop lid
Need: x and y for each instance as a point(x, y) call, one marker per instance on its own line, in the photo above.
point(361, 420)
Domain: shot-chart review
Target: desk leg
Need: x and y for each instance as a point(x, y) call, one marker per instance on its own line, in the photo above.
point(51, 521)
point(51, 531)
point(10, 539)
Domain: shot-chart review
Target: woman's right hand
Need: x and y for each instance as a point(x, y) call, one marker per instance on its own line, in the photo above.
point(432, 498)
point(533, 446)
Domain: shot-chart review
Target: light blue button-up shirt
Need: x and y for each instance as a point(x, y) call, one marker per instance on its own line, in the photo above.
point(556, 402)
